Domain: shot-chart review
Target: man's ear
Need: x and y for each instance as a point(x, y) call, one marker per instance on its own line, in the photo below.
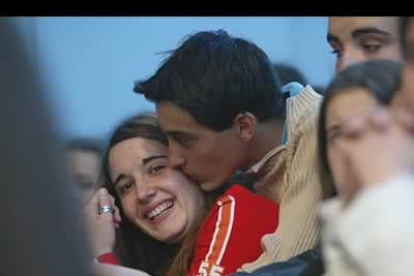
point(245, 124)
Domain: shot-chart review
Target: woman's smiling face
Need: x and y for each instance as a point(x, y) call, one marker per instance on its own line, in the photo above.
point(155, 197)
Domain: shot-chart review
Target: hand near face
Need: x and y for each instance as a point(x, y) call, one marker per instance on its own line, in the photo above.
point(375, 148)
point(102, 226)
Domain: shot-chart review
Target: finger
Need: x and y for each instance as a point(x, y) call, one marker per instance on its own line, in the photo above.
point(104, 200)
point(117, 215)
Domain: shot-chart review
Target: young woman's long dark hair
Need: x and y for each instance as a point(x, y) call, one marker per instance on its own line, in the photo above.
point(136, 248)
point(380, 77)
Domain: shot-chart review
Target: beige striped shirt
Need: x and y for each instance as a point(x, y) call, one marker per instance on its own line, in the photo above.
point(292, 180)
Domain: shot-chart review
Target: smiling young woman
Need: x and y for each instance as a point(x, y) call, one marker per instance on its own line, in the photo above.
point(169, 225)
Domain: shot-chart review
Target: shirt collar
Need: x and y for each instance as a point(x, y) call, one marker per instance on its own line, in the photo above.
point(257, 166)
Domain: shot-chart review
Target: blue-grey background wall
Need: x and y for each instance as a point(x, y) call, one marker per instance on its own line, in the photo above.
point(90, 63)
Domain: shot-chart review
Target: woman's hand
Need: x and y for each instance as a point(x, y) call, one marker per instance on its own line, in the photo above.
point(102, 226)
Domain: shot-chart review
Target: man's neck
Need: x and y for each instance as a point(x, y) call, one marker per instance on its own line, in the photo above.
point(268, 136)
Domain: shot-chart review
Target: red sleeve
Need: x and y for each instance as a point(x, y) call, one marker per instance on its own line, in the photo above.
point(108, 258)
point(230, 235)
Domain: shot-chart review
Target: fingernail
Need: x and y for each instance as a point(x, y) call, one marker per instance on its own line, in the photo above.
point(102, 191)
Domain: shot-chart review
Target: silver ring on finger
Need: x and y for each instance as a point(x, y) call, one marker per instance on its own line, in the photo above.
point(106, 209)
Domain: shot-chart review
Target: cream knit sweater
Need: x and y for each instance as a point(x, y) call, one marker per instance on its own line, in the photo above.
point(292, 179)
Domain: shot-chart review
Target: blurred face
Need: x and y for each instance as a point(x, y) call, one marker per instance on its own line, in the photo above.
point(84, 167)
point(208, 157)
point(357, 39)
point(355, 102)
point(155, 197)
point(406, 97)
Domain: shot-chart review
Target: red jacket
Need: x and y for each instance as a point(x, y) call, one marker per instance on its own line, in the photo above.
point(231, 233)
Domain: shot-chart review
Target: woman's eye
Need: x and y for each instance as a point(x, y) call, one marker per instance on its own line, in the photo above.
point(125, 188)
point(156, 169)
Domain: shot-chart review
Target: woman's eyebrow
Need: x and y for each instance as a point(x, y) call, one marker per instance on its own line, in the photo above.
point(149, 159)
point(120, 177)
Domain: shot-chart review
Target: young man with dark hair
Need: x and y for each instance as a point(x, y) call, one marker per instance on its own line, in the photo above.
point(218, 99)
point(211, 94)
